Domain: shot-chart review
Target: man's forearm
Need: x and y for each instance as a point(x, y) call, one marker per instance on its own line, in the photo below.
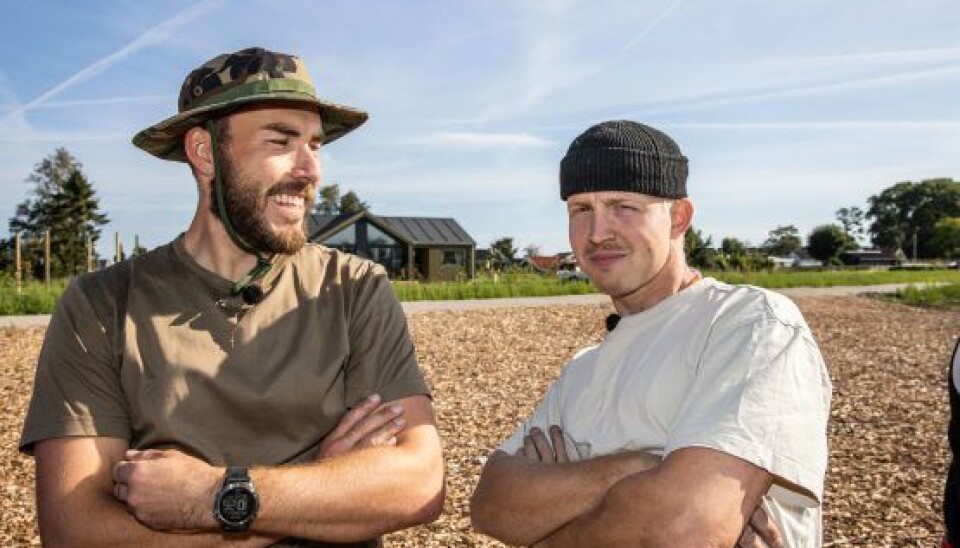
point(356, 496)
point(102, 522)
point(520, 501)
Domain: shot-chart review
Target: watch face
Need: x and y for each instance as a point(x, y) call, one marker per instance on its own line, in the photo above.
point(237, 505)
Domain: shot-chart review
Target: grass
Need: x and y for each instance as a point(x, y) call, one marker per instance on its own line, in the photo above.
point(37, 299)
point(34, 297)
point(827, 278)
point(941, 295)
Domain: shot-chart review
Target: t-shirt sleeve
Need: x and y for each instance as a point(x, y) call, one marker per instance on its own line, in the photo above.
point(382, 356)
point(761, 393)
point(77, 389)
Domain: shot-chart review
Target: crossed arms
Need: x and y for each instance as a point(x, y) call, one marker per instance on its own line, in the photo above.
point(694, 497)
point(375, 474)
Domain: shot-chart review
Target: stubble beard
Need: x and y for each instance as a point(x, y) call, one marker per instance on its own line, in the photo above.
point(245, 204)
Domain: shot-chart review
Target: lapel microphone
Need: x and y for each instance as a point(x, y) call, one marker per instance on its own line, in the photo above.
point(252, 294)
point(612, 321)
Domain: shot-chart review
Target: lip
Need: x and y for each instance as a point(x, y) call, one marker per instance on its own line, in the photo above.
point(288, 212)
point(605, 259)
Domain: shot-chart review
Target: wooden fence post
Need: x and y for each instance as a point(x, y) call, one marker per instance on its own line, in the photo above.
point(46, 257)
point(89, 253)
point(18, 274)
point(116, 247)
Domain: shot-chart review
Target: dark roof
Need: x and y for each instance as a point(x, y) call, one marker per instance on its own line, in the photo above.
point(420, 231)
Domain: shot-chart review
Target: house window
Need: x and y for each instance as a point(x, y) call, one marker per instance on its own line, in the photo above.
point(345, 240)
point(452, 258)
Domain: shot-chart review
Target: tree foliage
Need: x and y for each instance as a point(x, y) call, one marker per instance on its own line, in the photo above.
point(503, 253)
point(351, 203)
point(826, 242)
point(782, 241)
point(907, 210)
point(331, 202)
point(851, 219)
point(64, 202)
point(946, 238)
point(699, 250)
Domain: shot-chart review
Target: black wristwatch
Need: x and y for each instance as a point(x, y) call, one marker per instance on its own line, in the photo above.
point(237, 501)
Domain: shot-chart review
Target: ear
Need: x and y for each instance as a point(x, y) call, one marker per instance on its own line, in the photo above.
point(196, 146)
point(680, 217)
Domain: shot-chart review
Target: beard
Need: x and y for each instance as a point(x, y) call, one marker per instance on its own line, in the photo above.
point(245, 202)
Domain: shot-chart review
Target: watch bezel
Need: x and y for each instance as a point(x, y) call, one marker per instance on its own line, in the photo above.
point(230, 485)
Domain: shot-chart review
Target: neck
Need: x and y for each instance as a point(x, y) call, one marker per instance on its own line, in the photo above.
point(673, 277)
point(209, 244)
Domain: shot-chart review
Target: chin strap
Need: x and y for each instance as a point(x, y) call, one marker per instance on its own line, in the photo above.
point(263, 264)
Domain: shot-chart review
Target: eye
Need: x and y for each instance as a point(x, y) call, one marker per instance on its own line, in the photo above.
point(280, 142)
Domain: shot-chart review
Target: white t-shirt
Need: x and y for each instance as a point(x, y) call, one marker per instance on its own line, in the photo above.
point(732, 368)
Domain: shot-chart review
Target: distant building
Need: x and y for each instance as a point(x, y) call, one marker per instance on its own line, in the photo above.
point(868, 257)
point(422, 248)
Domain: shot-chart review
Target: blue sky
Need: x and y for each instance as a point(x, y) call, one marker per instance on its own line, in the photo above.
point(787, 110)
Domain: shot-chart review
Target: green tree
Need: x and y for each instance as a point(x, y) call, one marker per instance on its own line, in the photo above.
point(351, 203)
point(329, 200)
point(946, 238)
point(699, 251)
point(851, 219)
point(74, 218)
point(826, 242)
point(62, 201)
point(782, 241)
point(733, 247)
point(502, 253)
point(909, 210)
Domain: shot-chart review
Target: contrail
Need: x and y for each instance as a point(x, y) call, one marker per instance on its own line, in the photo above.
point(650, 26)
point(152, 36)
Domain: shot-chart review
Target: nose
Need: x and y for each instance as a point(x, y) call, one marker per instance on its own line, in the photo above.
point(601, 229)
point(307, 165)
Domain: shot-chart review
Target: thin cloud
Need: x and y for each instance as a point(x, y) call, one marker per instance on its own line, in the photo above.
point(920, 125)
point(474, 139)
point(930, 55)
point(694, 103)
point(152, 36)
point(95, 102)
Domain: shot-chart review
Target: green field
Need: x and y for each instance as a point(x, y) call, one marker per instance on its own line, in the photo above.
point(34, 298)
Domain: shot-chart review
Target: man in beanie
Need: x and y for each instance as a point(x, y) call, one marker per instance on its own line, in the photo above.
point(702, 414)
point(237, 385)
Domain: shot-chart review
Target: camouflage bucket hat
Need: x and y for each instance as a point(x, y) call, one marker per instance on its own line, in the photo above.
point(233, 80)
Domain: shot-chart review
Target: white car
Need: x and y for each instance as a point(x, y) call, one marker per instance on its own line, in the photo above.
point(572, 275)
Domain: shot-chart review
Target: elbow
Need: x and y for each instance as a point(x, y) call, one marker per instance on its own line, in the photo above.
point(426, 496)
point(487, 519)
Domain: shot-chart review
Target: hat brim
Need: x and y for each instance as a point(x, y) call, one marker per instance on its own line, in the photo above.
point(165, 139)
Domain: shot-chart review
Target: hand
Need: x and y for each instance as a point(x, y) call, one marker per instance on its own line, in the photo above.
point(537, 447)
point(167, 489)
point(366, 425)
point(760, 532)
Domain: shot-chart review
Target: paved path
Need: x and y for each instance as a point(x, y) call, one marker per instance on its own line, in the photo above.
point(565, 300)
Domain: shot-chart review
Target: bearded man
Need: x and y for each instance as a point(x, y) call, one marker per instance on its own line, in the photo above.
point(236, 385)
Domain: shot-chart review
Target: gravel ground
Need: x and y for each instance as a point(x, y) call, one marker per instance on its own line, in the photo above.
point(488, 367)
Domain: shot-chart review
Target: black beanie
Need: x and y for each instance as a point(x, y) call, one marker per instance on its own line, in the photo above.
point(624, 156)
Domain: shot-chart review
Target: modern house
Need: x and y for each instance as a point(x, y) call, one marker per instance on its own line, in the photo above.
point(868, 257)
point(414, 248)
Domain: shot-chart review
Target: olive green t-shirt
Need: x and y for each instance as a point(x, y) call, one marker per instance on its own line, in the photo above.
point(156, 351)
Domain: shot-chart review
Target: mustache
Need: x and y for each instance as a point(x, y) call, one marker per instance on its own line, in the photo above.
point(592, 248)
point(292, 187)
